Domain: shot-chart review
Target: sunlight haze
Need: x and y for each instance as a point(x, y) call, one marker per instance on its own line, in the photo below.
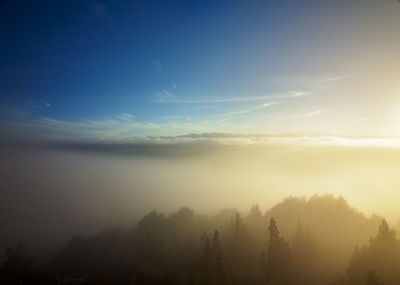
point(213, 142)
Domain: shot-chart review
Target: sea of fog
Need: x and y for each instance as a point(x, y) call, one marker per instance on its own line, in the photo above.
point(51, 192)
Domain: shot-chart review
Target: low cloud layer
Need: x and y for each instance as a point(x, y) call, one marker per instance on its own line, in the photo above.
point(51, 191)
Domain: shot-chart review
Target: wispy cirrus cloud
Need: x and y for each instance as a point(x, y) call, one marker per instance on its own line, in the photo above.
point(168, 97)
point(88, 129)
point(124, 127)
point(126, 117)
point(287, 139)
point(164, 96)
point(329, 79)
point(250, 110)
point(94, 131)
point(310, 114)
point(294, 94)
point(225, 113)
point(119, 127)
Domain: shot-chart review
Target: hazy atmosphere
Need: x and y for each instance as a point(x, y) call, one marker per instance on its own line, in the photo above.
point(200, 142)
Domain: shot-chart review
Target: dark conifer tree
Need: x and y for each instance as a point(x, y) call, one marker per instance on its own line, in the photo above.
point(279, 257)
point(381, 257)
point(373, 278)
point(303, 256)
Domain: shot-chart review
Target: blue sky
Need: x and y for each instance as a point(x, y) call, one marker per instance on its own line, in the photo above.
point(121, 69)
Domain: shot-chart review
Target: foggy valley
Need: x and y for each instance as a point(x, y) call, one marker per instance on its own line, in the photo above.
point(120, 195)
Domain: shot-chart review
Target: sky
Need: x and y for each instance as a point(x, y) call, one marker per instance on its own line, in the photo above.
point(115, 70)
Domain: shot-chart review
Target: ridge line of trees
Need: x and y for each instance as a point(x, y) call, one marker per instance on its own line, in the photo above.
point(284, 246)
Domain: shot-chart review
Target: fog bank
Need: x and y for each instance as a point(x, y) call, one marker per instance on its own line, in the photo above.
point(51, 192)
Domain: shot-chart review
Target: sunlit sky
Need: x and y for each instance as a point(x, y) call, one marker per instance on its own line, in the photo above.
point(124, 69)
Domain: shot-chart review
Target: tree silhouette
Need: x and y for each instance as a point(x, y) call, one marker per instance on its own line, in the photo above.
point(212, 269)
point(381, 256)
point(303, 256)
point(161, 250)
point(18, 266)
point(373, 278)
point(279, 257)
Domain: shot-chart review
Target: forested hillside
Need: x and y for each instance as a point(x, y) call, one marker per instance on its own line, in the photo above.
point(321, 240)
